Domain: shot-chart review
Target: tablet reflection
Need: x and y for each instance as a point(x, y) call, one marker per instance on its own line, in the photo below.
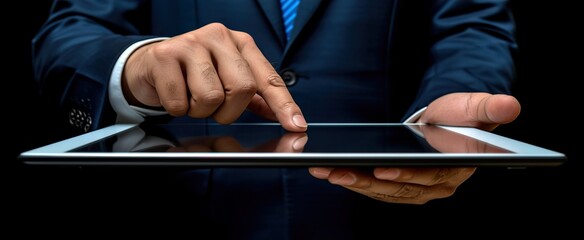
point(137, 140)
point(323, 139)
point(450, 142)
point(288, 142)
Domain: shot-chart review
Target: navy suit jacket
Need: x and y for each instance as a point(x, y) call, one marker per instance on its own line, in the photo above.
point(354, 61)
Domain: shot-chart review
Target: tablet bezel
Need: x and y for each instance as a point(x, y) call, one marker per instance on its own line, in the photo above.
point(521, 154)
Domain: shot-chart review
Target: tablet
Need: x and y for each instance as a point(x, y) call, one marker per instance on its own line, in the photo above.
point(268, 145)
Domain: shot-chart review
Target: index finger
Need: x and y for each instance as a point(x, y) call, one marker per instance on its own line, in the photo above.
point(270, 85)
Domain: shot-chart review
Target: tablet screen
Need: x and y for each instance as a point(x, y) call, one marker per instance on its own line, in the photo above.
point(325, 138)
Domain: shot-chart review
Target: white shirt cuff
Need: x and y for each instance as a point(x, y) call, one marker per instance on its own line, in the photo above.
point(415, 116)
point(127, 113)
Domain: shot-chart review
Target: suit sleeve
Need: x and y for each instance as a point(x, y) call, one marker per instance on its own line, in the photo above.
point(473, 50)
point(74, 53)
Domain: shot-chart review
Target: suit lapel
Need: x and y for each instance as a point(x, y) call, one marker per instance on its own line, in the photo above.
point(305, 11)
point(271, 9)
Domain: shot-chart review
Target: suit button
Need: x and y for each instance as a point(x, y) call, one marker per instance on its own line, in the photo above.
point(289, 77)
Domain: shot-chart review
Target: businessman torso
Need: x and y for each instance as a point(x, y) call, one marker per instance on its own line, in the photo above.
point(347, 61)
point(342, 55)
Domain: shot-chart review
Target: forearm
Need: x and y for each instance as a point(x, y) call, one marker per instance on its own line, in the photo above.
point(473, 50)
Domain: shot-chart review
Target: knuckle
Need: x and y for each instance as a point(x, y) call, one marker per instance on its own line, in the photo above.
point(275, 80)
point(471, 110)
point(217, 31)
point(216, 26)
point(245, 39)
point(211, 98)
point(191, 37)
point(163, 52)
point(175, 107)
point(224, 120)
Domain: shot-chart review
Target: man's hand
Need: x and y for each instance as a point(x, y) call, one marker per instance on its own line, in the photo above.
point(209, 72)
point(420, 185)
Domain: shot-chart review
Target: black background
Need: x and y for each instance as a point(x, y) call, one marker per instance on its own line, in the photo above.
point(522, 201)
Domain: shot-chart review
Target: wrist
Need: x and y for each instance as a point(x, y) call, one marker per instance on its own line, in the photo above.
point(134, 82)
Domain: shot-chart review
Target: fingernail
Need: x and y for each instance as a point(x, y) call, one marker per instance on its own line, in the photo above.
point(299, 144)
point(321, 172)
point(299, 121)
point(390, 174)
point(347, 179)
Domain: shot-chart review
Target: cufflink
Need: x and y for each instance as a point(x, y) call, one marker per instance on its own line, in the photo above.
point(80, 119)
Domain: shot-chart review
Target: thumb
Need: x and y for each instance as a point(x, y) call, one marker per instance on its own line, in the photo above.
point(481, 110)
point(498, 108)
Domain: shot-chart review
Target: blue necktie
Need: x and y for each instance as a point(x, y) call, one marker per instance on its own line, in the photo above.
point(288, 14)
